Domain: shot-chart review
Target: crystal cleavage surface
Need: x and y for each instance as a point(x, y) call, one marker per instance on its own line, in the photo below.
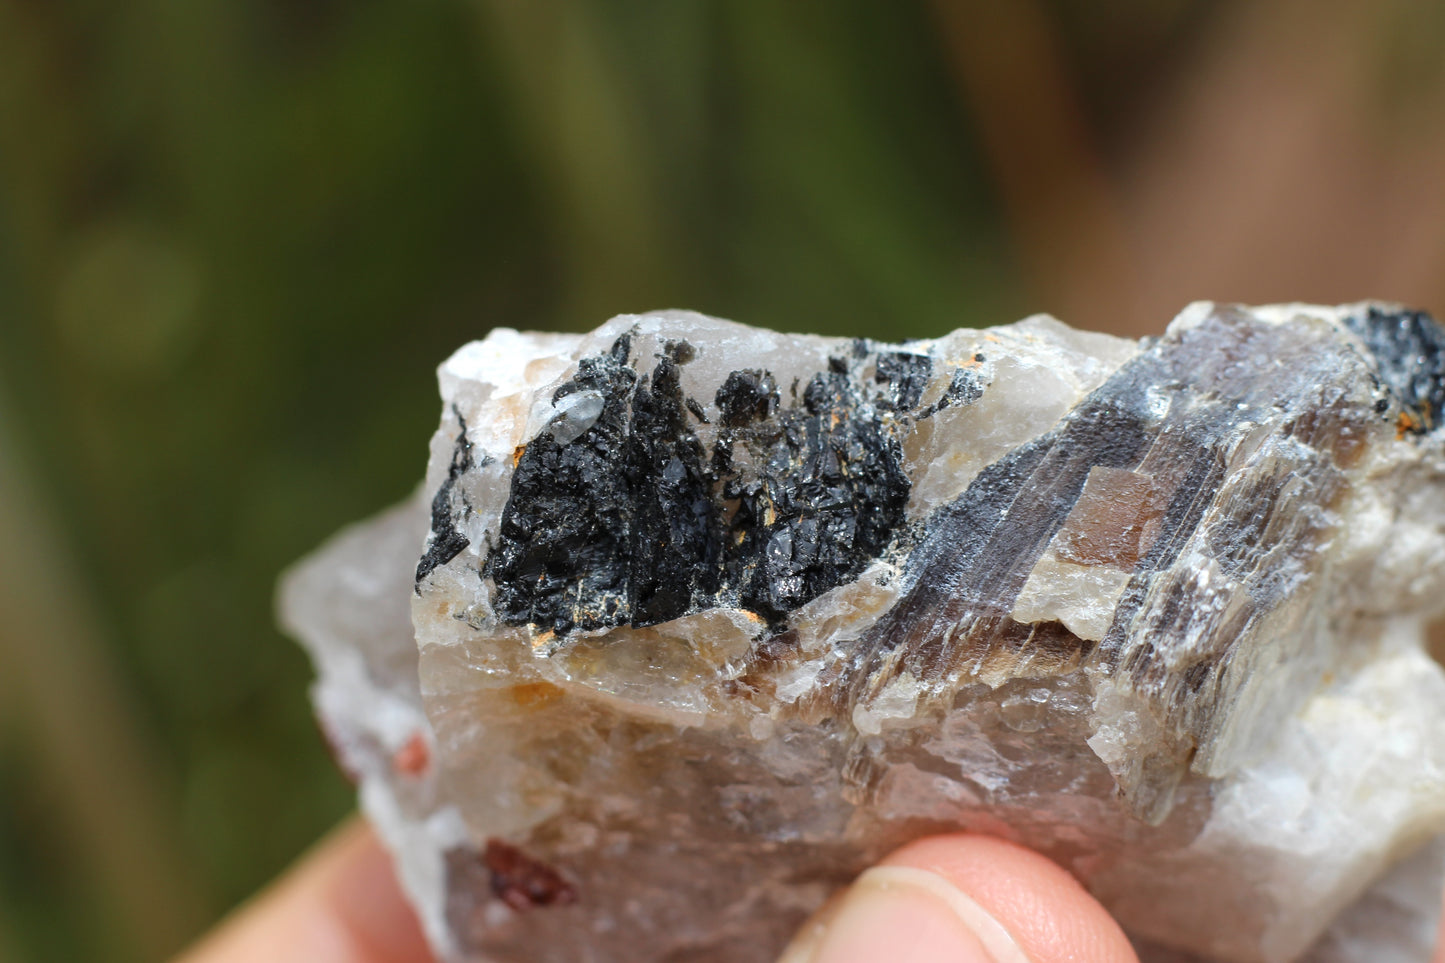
point(706, 618)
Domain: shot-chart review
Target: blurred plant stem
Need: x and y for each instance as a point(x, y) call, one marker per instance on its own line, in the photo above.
point(572, 109)
point(9, 952)
point(70, 706)
point(1068, 229)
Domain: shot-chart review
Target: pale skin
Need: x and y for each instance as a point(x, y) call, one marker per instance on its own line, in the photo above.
point(957, 898)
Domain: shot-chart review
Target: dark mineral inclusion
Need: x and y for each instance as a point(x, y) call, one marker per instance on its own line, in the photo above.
point(633, 523)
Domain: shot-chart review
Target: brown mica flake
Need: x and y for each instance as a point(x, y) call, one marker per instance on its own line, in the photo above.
point(1115, 520)
point(1339, 431)
point(522, 882)
point(1349, 444)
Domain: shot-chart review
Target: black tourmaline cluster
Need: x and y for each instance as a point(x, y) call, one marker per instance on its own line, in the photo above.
point(634, 522)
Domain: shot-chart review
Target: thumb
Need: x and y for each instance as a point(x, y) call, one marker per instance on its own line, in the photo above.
point(962, 899)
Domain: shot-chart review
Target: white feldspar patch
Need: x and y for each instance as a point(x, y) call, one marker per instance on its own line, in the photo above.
point(692, 622)
point(898, 700)
point(1082, 597)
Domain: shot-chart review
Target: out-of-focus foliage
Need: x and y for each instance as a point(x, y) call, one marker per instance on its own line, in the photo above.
point(236, 238)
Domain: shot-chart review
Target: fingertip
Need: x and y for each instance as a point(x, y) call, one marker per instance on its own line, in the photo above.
point(963, 899)
point(1043, 907)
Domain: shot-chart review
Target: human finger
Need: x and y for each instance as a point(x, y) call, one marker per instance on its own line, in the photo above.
point(339, 904)
point(963, 899)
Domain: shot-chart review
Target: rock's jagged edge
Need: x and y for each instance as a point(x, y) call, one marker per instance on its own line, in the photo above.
point(965, 634)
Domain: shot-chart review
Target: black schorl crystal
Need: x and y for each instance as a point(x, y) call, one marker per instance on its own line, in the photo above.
point(563, 554)
point(634, 522)
point(447, 541)
point(1409, 353)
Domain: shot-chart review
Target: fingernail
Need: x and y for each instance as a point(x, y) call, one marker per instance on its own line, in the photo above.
point(903, 915)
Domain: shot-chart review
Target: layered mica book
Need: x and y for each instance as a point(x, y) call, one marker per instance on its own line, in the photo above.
point(691, 622)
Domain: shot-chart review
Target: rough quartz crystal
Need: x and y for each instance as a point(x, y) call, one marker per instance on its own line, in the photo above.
point(707, 618)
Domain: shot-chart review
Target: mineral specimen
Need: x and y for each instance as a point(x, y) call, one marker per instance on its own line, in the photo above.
point(707, 618)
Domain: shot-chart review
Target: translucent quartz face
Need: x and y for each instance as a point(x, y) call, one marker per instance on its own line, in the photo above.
point(692, 621)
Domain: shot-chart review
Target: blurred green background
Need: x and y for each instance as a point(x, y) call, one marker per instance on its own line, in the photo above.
point(237, 237)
